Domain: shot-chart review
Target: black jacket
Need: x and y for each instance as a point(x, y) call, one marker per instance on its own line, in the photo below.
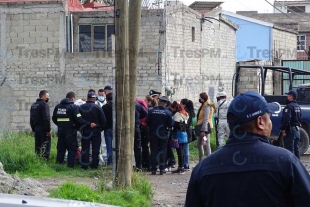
point(40, 115)
point(291, 116)
point(107, 110)
point(93, 113)
point(66, 115)
point(248, 171)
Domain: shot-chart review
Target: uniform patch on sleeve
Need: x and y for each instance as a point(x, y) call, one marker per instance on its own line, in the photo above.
point(78, 115)
point(286, 110)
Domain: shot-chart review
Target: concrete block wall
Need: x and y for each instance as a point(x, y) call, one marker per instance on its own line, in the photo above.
point(284, 44)
point(250, 78)
point(206, 64)
point(31, 39)
point(151, 46)
point(35, 57)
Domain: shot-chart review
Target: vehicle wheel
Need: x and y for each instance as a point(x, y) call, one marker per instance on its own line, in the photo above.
point(304, 141)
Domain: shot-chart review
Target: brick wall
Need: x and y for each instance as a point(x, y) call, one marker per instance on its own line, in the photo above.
point(33, 42)
point(284, 44)
point(205, 63)
point(31, 37)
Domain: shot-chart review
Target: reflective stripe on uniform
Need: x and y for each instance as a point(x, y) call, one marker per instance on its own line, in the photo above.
point(63, 119)
point(78, 115)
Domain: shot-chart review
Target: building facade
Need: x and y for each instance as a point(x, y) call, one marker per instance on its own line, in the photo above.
point(60, 46)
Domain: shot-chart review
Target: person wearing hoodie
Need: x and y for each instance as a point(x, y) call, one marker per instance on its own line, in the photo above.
point(179, 132)
point(67, 118)
point(204, 124)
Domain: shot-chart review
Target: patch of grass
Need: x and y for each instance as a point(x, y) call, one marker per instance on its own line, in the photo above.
point(139, 195)
point(17, 155)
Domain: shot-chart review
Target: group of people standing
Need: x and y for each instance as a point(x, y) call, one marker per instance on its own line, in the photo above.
point(170, 125)
point(92, 117)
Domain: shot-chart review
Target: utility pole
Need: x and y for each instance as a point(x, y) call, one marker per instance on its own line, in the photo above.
point(134, 34)
point(124, 165)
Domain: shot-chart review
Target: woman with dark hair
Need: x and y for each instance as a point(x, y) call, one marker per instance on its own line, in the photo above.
point(189, 108)
point(204, 124)
point(179, 132)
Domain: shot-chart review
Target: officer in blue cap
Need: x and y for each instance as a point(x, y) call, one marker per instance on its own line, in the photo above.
point(92, 113)
point(291, 121)
point(160, 122)
point(248, 170)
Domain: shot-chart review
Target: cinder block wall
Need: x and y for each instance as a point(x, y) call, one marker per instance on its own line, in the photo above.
point(201, 54)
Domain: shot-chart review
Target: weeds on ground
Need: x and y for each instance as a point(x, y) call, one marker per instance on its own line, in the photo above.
point(139, 195)
point(17, 156)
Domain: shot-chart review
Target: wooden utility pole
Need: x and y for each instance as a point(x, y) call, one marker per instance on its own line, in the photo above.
point(134, 34)
point(124, 165)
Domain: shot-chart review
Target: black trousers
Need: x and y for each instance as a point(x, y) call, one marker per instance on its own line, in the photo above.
point(137, 148)
point(92, 136)
point(170, 160)
point(67, 140)
point(180, 153)
point(42, 142)
point(158, 147)
point(146, 161)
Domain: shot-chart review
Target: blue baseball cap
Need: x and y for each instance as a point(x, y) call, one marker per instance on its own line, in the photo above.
point(292, 93)
point(250, 105)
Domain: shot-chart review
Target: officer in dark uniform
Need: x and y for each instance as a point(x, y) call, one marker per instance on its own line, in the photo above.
point(291, 121)
point(248, 170)
point(93, 113)
point(67, 117)
point(160, 122)
point(154, 94)
point(40, 122)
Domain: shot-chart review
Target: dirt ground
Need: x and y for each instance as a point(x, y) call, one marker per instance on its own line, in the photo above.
point(169, 189)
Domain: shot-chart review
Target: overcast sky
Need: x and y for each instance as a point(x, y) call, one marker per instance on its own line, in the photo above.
point(242, 5)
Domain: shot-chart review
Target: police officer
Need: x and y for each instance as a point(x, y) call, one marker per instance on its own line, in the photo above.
point(94, 114)
point(154, 94)
point(160, 121)
point(291, 121)
point(221, 117)
point(216, 120)
point(41, 124)
point(248, 170)
point(67, 117)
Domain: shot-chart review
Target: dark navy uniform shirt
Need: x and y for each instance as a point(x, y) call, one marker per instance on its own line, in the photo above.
point(40, 115)
point(249, 172)
point(66, 115)
point(159, 117)
point(291, 115)
point(94, 114)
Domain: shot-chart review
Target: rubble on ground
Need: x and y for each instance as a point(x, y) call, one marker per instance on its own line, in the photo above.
point(15, 185)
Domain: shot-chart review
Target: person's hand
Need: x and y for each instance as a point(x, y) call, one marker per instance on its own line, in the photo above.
point(92, 125)
point(202, 134)
point(48, 134)
point(283, 133)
